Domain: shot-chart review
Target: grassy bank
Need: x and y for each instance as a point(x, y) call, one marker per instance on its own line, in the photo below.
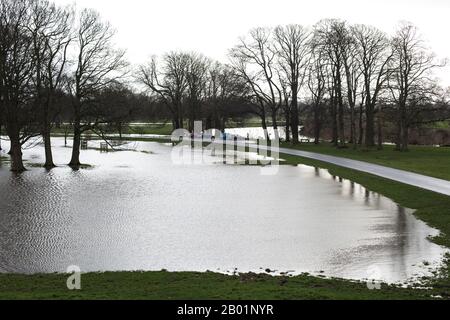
point(189, 285)
point(427, 160)
point(149, 128)
point(430, 207)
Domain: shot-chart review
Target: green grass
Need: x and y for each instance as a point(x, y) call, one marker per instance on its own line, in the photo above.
point(189, 285)
point(4, 159)
point(161, 129)
point(158, 129)
point(430, 161)
point(440, 125)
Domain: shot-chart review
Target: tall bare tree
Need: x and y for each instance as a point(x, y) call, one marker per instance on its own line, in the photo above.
point(98, 65)
point(411, 84)
point(293, 50)
point(196, 77)
point(349, 47)
point(16, 68)
point(331, 35)
point(317, 85)
point(251, 79)
point(373, 54)
point(168, 83)
point(225, 90)
point(50, 29)
point(255, 59)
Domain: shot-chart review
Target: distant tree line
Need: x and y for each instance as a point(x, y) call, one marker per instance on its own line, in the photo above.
point(60, 67)
point(352, 79)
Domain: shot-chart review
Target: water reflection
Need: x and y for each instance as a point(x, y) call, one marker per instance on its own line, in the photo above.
point(137, 211)
point(258, 132)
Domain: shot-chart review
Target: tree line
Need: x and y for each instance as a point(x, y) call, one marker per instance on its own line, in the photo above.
point(61, 65)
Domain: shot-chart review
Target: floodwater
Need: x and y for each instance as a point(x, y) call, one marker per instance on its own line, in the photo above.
point(136, 210)
point(258, 132)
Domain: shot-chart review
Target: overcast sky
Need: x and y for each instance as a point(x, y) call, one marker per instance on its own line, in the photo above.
point(147, 27)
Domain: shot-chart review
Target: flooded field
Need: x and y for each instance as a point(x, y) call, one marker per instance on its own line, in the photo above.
point(135, 210)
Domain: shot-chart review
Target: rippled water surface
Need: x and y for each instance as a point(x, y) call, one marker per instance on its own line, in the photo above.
point(135, 210)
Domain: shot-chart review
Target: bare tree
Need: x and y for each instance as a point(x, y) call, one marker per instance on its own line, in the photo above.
point(286, 105)
point(169, 83)
point(373, 54)
point(98, 65)
point(331, 35)
point(118, 103)
point(255, 59)
point(225, 91)
point(16, 67)
point(196, 77)
point(411, 84)
point(255, 98)
point(293, 48)
point(349, 48)
point(317, 83)
point(50, 30)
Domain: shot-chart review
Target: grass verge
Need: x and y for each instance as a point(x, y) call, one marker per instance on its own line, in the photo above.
point(189, 285)
point(427, 160)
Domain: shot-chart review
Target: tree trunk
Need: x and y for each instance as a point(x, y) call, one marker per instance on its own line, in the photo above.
point(263, 122)
point(341, 125)
point(338, 88)
point(334, 124)
point(48, 150)
point(361, 126)
point(294, 117)
point(120, 130)
point(75, 161)
point(370, 126)
point(351, 102)
point(16, 153)
point(398, 136)
point(317, 124)
point(66, 133)
point(179, 117)
point(274, 120)
point(223, 124)
point(402, 130)
point(288, 123)
point(352, 125)
point(405, 137)
point(1, 136)
point(380, 130)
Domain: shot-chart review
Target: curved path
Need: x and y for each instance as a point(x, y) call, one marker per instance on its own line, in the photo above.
point(418, 180)
point(414, 179)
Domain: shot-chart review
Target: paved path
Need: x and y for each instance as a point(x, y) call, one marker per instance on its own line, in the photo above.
point(414, 179)
point(418, 180)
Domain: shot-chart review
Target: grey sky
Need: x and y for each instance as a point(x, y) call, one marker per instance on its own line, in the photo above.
point(147, 27)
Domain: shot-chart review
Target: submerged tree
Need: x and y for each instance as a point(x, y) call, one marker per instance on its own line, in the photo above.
point(196, 78)
point(98, 65)
point(51, 33)
point(225, 92)
point(16, 68)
